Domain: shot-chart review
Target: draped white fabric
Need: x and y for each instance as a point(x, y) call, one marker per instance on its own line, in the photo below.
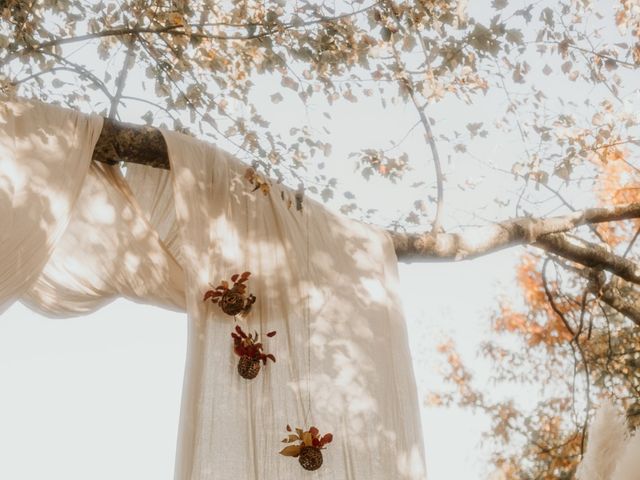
point(326, 284)
point(45, 153)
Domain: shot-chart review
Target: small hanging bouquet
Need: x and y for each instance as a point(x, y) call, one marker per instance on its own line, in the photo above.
point(307, 446)
point(232, 300)
point(250, 352)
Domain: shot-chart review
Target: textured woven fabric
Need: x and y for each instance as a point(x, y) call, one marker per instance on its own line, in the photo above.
point(45, 152)
point(326, 284)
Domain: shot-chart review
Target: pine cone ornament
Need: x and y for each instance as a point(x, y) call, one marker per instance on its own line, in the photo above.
point(310, 458)
point(232, 303)
point(248, 367)
point(250, 351)
point(233, 300)
point(307, 446)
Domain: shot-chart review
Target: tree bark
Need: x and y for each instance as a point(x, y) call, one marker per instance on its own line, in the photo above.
point(518, 231)
point(125, 142)
point(615, 292)
point(590, 255)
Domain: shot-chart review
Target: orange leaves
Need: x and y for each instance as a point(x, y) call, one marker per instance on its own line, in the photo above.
point(537, 323)
point(456, 372)
point(617, 184)
point(628, 17)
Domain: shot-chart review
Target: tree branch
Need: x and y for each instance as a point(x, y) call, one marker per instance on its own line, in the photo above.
point(125, 142)
point(518, 231)
point(590, 255)
point(145, 145)
point(618, 294)
point(627, 305)
point(179, 30)
point(126, 65)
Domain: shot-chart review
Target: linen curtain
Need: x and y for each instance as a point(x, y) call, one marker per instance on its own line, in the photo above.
point(328, 286)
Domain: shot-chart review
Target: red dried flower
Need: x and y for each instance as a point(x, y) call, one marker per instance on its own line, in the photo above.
point(232, 300)
point(301, 439)
point(248, 345)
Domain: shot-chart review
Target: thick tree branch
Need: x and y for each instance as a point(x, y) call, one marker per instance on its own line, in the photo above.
point(590, 255)
point(614, 296)
point(145, 145)
point(125, 142)
point(519, 231)
point(618, 294)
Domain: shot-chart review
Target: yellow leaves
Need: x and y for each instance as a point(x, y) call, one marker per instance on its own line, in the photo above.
point(617, 184)
point(307, 439)
point(175, 18)
point(291, 451)
point(434, 400)
point(290, 438)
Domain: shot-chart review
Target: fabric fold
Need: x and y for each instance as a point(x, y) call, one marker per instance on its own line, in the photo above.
point(45, 152)
point(108, 250)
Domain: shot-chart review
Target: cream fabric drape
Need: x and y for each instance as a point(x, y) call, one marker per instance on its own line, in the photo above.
point(349, 353)
point(326, 284)
point(45, 153)
point(108, 250)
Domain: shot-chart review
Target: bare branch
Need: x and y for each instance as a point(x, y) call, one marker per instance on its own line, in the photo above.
point(120, 82)
point(519, 231)
point(628, 305)
point(590, 255)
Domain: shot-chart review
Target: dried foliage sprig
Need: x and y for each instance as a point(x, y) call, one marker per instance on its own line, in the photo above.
point(301, 439)
point(245, 345)
point(257, 180)
point(232, 300)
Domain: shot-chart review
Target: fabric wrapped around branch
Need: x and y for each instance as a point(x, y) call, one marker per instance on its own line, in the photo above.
point(326, 284)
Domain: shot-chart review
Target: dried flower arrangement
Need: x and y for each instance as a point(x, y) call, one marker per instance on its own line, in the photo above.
point(257, 180)
point(234, 300)
point(308, 447)
point(250, 352)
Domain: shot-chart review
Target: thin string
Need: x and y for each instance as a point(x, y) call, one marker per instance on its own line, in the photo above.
point(309, 412)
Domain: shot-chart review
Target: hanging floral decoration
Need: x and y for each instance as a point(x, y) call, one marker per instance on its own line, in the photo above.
point(232, 300)
point(308, 446)
point(250, 352)
point(257, 180)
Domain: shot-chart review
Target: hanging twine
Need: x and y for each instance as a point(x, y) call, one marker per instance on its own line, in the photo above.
point(308, 416)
